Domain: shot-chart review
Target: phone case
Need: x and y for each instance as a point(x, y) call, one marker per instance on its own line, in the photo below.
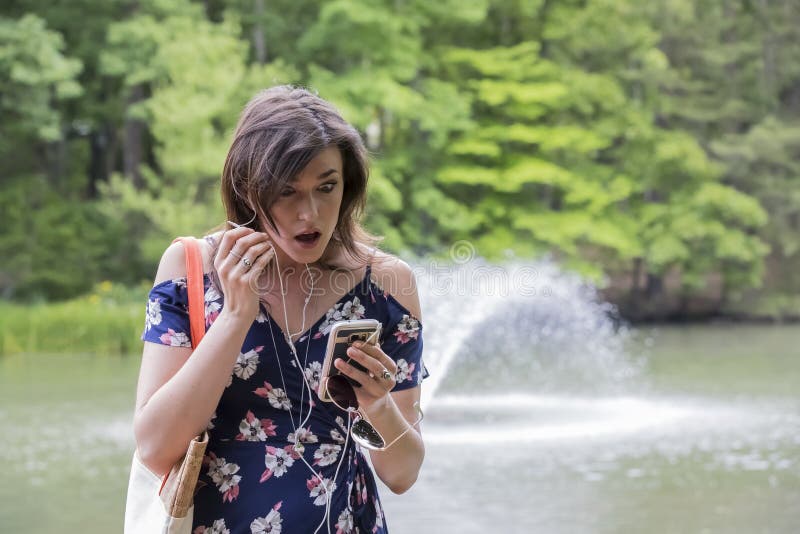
point(341, 336)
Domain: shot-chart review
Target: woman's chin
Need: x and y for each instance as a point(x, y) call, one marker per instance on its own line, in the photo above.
point(301, 254)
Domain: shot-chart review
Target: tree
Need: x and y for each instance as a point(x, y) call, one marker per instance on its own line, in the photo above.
point(735, 86)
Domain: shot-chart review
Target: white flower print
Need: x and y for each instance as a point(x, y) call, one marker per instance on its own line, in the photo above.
point(214, 464)
point(377, 286)
point(407, 329)
point(180, 283)
point(217, 528)
point(337, 436)
point(153, 316)
point(404, 371)
point(319, 490)
point(343, 311)
point(313, 372)
point(345, 523)
point(175, 339)
point(278, 461)
point(253, 429)
point(212, 294)
point(326, 454)
point(246, 363)
point(340, 422)
point(276, 396)
point(271, 524)
point(378, 511)
point(261, 317)
point(304, 435)
point(353, 309)
point(211, 424)
point(213, 306)
point(278, 399)
point(224, 476)
point(331, 317)
point(361, 489)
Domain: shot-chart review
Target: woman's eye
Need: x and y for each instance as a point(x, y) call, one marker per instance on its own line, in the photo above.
point(325, 188)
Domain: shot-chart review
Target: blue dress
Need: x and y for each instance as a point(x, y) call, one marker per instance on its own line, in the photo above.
point(253, 480)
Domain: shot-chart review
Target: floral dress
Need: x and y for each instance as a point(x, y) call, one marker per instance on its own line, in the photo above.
point(254, 480)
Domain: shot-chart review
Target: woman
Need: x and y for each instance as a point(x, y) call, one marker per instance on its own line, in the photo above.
point(279, 459)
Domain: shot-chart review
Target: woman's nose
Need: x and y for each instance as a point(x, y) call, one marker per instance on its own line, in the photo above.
point(308, 208)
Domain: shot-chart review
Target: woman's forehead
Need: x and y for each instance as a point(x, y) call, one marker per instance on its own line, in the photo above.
point(323, 165)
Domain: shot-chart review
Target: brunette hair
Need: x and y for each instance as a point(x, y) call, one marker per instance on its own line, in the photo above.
point(279, 132)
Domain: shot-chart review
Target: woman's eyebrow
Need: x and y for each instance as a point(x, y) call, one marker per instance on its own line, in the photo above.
point(320, 177)
point(326, 174)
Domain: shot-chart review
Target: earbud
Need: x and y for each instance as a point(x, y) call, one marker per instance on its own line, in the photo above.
point(298, 446)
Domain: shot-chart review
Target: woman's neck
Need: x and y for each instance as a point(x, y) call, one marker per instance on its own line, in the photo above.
point(285, 263)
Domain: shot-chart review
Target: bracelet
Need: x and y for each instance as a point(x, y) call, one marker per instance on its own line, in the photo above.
point(395, 440)
point(410, 426)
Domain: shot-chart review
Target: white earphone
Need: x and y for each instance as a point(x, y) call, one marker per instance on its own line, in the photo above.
point(298, 446)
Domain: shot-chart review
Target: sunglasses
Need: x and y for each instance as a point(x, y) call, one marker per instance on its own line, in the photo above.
point(343, 396)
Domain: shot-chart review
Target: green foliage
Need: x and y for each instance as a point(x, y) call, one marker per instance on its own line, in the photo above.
point(195, 70)
point(764, 162)
point(62, 248)
point(109, 320)
point(608, 133)
point(199, 81)
point(34, 73)
point(153, 220)
point(540, 165)
point(732, 87)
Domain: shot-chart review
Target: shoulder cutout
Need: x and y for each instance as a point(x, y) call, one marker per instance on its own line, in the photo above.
point(397, 278)
point(173, 261)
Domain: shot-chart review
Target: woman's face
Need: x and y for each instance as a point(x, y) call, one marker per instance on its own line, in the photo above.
point(307, 210)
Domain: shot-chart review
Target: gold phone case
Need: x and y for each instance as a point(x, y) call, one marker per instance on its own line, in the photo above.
point(341, 336)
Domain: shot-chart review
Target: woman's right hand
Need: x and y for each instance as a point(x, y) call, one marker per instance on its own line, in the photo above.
point(240, 282)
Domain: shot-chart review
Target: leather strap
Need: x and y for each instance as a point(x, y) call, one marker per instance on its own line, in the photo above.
point(194, 286)
point(188, 471)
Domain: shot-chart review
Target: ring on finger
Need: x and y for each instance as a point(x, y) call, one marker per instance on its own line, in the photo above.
point(247, 263)
point(386, 375)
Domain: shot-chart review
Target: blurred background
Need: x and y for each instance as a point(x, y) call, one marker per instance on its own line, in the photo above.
point(601, 200)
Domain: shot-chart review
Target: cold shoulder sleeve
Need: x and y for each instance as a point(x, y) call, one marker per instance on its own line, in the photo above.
point(402, 341)
point(167, 317)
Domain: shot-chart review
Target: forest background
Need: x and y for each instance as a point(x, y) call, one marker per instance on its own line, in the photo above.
point(651, 146)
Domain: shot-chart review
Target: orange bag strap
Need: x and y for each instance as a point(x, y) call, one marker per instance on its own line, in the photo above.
point(194, 286)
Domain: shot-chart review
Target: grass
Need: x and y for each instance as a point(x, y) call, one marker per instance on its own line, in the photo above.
point(107, 321)
point(768, 307)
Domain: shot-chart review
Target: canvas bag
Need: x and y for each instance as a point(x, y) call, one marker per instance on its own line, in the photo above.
point(166, 506)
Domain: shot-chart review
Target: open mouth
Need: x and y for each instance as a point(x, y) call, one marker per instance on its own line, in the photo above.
point(308, 239)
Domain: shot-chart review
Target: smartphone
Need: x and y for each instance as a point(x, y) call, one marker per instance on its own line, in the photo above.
point(342, 335)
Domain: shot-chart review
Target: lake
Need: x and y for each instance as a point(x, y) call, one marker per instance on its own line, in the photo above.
point(702, 436)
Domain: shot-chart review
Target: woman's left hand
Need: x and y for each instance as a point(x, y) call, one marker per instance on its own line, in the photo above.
point(379, 379)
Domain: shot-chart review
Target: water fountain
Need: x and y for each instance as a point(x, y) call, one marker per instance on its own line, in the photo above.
point(528, 343)
point(537, 403)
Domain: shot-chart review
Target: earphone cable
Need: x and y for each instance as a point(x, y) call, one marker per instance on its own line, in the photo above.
point(305, 383)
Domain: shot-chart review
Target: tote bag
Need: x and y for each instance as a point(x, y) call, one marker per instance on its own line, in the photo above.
point(166, 505)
